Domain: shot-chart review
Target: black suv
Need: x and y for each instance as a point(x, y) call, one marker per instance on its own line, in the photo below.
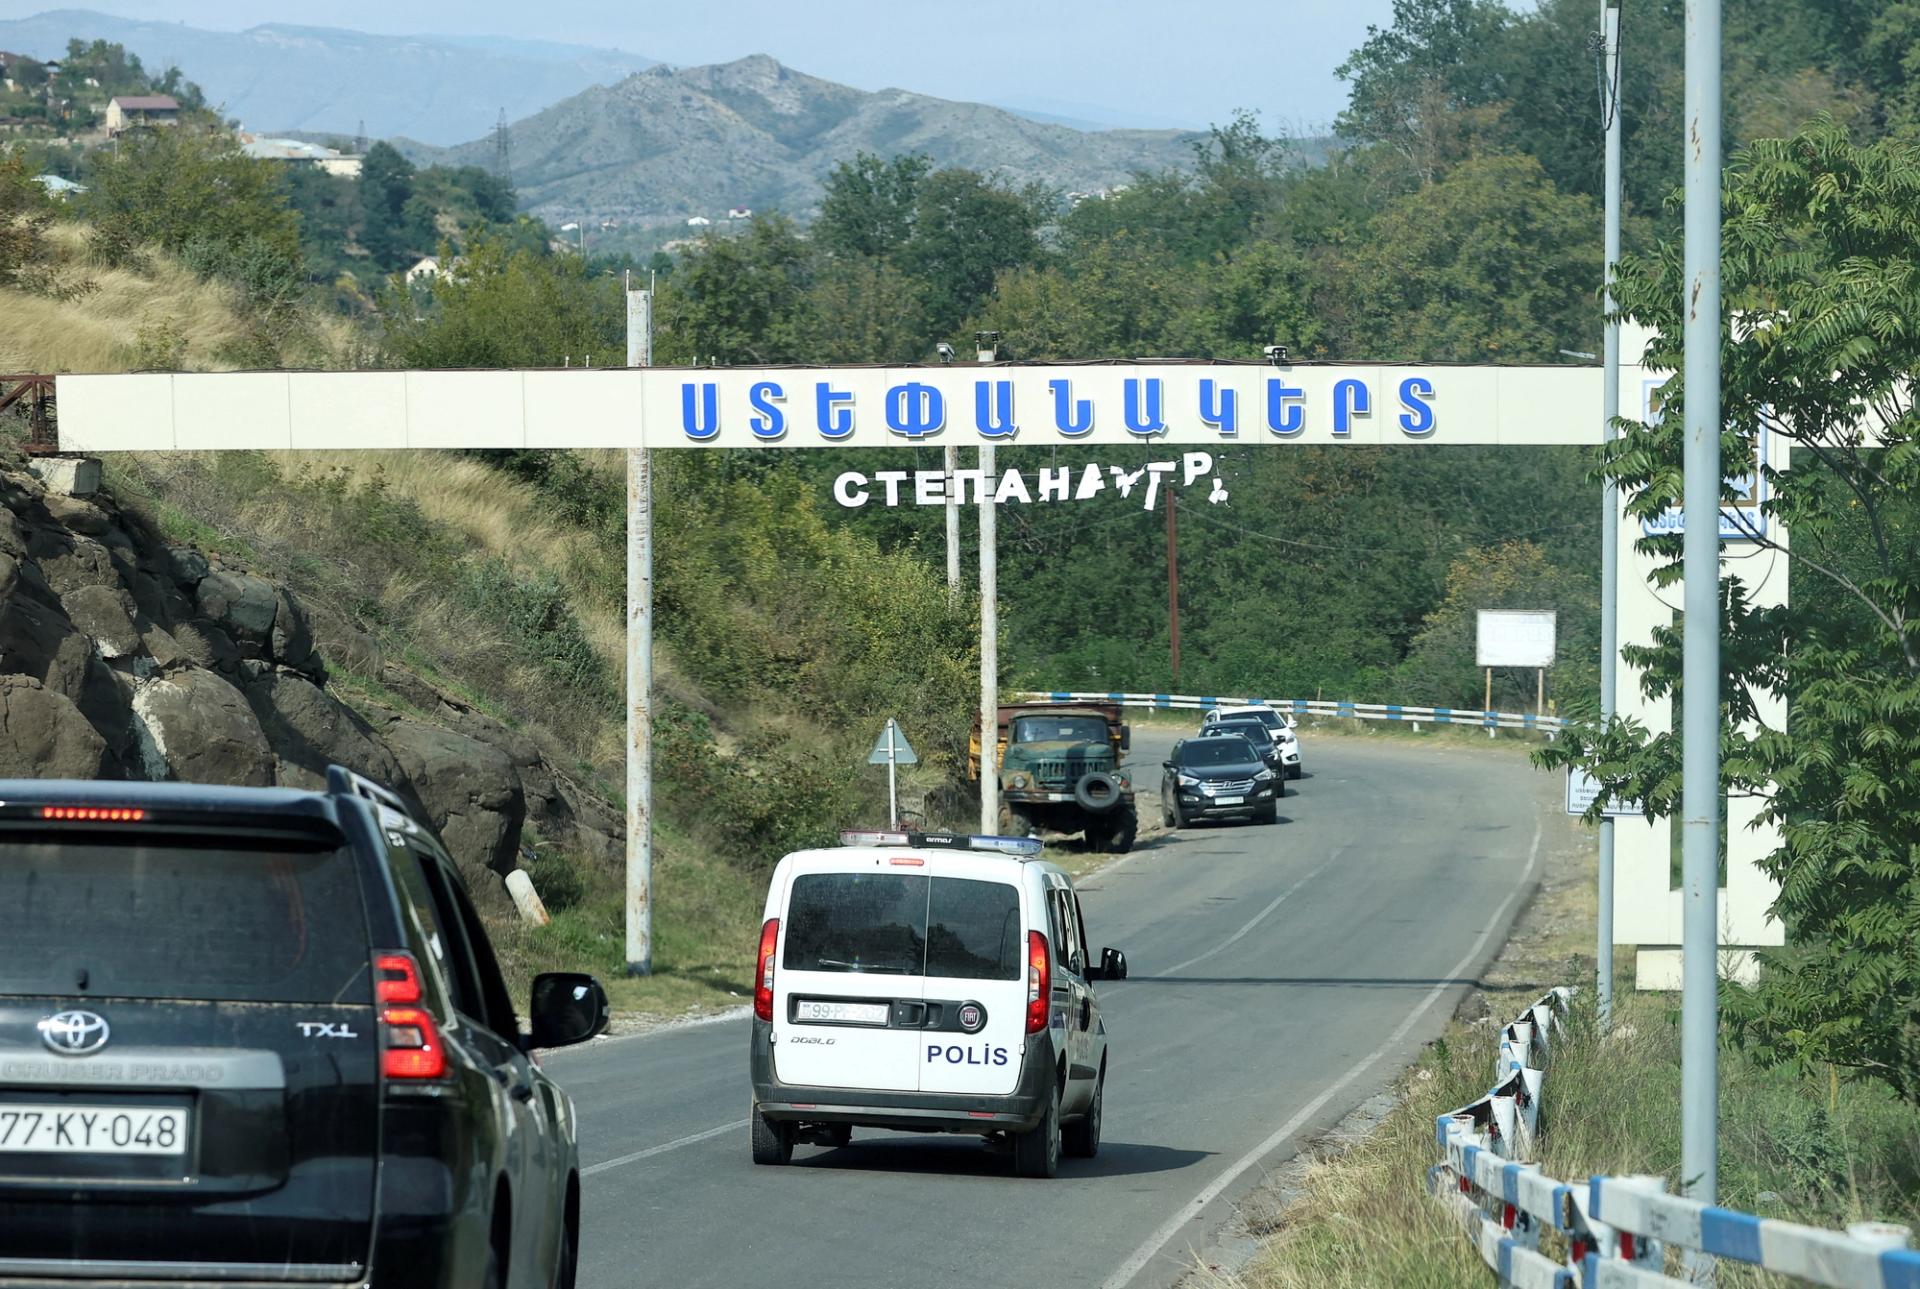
point(1218, 776)
point(255, 1036)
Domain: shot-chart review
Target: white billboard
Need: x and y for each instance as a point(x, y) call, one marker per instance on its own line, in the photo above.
point(1516, 637)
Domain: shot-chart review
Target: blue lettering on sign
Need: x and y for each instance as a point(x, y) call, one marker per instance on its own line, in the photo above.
point(915, 410)
point(995, 421)
point(1070, 417)
point(1415, 393)
point(704, 422)
point(968, 1054)
point(1219, 408)
point(1286, 414)
point(833, 411)
point(1142, 420)
point(1350, 399)
point(765, 399)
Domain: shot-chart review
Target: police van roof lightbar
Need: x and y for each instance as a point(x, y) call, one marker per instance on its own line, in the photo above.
point(1022, 847)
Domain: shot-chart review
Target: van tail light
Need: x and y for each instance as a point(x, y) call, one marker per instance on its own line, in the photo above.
point(410, 1044)
point(409, 1040)
point(763, 974)
point(1039, 982)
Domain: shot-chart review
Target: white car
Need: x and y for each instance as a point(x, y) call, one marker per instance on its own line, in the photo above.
point(928, 983)
point(1279, 729)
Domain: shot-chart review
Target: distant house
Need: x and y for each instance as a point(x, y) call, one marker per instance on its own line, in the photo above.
point(739, 212)
point(698, 221)
point(59, 186)
point(425, 271)
point(300, 152)
point(133, 111)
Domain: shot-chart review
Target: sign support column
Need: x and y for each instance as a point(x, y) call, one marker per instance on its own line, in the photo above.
point(989, 648)
point(951, 460)
point(639, 663)
point(1700, 684)
point(1610, 493)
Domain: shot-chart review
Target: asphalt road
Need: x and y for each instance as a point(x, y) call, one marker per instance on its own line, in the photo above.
point(1280, 976)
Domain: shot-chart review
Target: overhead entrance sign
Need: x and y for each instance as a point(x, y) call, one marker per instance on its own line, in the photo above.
point(1196, 404)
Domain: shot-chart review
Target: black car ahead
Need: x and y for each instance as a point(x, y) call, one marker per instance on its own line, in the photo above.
point(256, 1036)
point(1219, 776)
point(1260, 738)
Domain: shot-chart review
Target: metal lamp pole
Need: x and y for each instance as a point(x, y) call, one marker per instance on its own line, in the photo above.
point(1610, 523)
point(1700, 694)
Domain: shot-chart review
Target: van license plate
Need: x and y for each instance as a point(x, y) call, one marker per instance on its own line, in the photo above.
point(817, 1009)
point(1229, 801)
point(46, 1129)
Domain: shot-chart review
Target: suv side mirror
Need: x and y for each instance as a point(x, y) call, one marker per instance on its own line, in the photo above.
point(1113, 965)
point(568, 1008)
point(1166, 765)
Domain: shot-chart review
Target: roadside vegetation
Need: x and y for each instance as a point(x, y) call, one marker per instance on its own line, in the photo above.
point(1802, 1145)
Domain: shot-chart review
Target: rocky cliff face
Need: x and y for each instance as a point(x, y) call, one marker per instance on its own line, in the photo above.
point(122, 657)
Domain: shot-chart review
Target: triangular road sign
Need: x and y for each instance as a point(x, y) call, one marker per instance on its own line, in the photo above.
point(902, 753)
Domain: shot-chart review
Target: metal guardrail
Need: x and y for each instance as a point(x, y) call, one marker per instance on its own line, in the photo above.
point(1614, 1231)
point(1866, 1254)
point(1316, 707)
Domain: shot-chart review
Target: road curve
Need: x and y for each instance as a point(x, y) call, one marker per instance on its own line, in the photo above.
point(1280, 976)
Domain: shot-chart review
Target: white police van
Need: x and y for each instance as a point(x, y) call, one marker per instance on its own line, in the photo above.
point(928, 983)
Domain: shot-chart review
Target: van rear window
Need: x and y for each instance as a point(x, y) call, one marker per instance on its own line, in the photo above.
point(904, 925)
point(153, 918)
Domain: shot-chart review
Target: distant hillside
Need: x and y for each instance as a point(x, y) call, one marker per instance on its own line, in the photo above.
point(665, 144)
point(278, 77)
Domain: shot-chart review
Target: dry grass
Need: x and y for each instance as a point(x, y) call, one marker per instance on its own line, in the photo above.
point(500, 515)
point(99, 329)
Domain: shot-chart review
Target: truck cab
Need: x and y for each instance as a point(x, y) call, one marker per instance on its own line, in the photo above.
point(1059, 767)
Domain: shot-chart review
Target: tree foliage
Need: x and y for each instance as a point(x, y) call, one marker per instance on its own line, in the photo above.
point(1822, 276)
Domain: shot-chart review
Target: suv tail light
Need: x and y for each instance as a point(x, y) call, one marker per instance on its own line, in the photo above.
point(1039, 982)
point(409, 1040)
point(763, 974)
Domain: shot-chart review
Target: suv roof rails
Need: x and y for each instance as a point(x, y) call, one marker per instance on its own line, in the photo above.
point(345, 782)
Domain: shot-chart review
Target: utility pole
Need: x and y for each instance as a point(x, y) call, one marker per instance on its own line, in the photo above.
point(1610, 494)
point(986, 343)
point(951, 460)
point(1700, 678)
point(639, 661)
point(1173, 584)
point(989, 649)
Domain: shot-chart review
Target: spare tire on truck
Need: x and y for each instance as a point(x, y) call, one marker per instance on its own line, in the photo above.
point(1097, 792)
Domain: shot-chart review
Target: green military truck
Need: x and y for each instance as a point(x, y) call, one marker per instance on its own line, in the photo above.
point(1060, 772)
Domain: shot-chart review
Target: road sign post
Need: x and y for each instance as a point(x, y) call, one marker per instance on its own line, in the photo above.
point(892, 750)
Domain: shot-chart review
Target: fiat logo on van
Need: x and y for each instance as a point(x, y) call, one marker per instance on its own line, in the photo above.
point(74, 1033)
point(972, 1017)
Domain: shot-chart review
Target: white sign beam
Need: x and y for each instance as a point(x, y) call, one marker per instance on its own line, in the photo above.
point(661, 407)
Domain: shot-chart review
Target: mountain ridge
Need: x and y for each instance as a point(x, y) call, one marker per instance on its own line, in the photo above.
point(671, 143)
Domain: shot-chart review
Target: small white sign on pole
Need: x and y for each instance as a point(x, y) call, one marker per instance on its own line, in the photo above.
point(1516, 638)
point(1583, 790)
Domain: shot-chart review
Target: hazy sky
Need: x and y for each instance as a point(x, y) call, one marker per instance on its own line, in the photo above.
point(1173, 62)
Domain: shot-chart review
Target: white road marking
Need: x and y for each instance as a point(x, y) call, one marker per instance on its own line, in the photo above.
point(1146, 1253)
point(1257, 918)
point(663, 1148)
